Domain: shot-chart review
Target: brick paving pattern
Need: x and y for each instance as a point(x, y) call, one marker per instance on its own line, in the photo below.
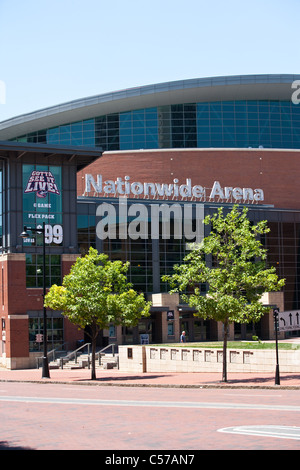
point(116, 377)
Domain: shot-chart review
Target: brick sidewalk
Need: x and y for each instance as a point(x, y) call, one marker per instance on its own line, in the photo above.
point(118, 378)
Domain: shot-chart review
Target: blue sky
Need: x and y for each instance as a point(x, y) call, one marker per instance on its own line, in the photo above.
point(54, 51)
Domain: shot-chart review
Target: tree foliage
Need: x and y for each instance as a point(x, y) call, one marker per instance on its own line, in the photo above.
point(96, 294)
point(231, 262)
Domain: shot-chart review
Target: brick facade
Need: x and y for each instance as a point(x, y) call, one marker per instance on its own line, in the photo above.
point(17, 300)
point(273, 171)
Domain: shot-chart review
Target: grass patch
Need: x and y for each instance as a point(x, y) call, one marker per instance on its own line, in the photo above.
point(234, 345)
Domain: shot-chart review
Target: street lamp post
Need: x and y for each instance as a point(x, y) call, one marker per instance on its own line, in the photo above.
point(276, 320)
point(24, 234)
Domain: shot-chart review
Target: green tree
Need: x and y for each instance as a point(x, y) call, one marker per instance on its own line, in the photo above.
point(237, 277)
point(96, 294)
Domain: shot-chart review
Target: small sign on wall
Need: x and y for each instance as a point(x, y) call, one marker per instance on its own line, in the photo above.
point(144, 339)
point(170, 315)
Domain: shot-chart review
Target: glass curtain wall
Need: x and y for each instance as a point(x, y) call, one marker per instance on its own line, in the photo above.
point(150, 259)
point(236, 124)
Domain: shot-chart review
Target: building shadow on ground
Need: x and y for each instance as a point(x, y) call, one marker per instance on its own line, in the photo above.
point(124, 378)
point(4, 445)
point(259, 380)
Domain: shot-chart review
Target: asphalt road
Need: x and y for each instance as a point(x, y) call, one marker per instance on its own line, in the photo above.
point(116, 419)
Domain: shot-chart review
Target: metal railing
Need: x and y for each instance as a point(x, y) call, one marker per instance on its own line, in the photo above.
point(98, 355)
point(52, 353)
point(75, 353)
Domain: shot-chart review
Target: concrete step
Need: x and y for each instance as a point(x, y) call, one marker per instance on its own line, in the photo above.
point(108, 361)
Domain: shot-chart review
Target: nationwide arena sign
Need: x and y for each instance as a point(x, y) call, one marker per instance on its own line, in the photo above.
point(124, 187)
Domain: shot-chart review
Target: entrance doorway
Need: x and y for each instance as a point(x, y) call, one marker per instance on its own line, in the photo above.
point(145, 327)
point(132, 335)
point(201, 329)
point(185, 326)
point(246, 331)
point(196, 329)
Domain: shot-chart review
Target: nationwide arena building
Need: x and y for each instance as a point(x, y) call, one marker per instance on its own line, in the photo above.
point(133, 173)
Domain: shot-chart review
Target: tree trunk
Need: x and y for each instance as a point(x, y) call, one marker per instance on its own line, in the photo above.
point(224, 375)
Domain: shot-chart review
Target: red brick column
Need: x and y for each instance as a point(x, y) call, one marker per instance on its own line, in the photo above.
point(17, 343)
point(14, 303)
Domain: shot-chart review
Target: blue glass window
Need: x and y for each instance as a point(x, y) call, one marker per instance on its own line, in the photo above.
point(271, 124)
point(53, 136)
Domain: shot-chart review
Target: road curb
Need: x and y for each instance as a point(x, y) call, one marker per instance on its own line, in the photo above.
point(191, 386)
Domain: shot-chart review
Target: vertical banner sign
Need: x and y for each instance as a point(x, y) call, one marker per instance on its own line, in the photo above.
point(42, 202)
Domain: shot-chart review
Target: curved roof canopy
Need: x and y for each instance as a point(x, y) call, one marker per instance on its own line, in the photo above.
point(245, 87)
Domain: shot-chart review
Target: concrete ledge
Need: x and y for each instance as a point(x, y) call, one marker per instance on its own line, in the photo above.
point(184, 359)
